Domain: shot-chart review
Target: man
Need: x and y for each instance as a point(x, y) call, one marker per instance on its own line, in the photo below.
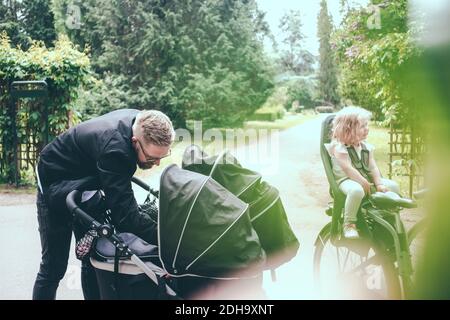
point(101, 153)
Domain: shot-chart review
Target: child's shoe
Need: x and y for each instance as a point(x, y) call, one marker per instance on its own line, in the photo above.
point(350, 231)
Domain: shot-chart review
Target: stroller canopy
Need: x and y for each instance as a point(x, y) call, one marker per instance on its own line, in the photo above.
point(204, 230)
point(224, 168)
point(266, 210)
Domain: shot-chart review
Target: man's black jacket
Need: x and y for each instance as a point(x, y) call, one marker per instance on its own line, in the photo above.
point(96, 154)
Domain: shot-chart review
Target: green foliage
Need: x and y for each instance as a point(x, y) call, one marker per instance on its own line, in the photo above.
point(27, 20)
point(327, 71)
point(38, 22)
point(9, 21)
point(199, 60)
point(63, 67)
point(370, 60)
point(302, 90)
point(273, 108)
point(295, 58)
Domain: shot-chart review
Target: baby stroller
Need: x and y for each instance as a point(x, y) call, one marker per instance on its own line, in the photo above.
point(207, 244)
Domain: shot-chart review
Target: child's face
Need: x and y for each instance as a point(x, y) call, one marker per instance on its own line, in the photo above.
point(363, 130)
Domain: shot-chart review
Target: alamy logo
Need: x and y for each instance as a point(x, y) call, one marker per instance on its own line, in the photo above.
point(73, 16)
point(73, 281)
point(374, 20)
point(374, 280)
point(256, 148)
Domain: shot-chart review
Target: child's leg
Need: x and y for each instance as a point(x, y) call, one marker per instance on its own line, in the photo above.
point(391, 185)
point(355, 194)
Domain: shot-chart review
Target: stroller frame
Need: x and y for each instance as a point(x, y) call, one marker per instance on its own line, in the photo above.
point(107, 231)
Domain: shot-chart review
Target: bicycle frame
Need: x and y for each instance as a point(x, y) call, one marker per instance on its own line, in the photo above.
point(401, 245)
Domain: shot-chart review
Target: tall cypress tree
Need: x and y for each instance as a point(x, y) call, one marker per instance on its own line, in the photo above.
point(27, 18)
point(9, 21)
point(38, 21)
point(327, 70)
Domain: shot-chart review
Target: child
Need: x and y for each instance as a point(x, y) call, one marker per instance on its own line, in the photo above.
point(350, 130)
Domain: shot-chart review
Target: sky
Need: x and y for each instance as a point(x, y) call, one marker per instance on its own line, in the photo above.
point(309, 9)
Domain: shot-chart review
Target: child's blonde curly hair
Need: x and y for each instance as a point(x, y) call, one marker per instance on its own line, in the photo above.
point(346, 123)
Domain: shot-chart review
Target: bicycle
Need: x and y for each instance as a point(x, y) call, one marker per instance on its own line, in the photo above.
point(379, 264)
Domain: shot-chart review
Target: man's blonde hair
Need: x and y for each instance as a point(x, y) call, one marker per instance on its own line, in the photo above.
point(154, 127)
point(347, 122)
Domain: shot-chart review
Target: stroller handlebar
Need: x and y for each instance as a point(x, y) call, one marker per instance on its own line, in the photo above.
point(145, 186)
point(73, 198)
point(71, 201)
point(107, 231)
point(104, 230)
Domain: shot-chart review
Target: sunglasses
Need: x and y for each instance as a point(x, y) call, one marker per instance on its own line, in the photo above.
point(150, 159)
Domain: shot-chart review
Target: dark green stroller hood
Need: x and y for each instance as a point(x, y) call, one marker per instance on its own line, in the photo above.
point(267, 214)
point(204, 230)
point(224, 168)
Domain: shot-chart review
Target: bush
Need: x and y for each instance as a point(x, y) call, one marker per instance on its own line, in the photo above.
point(273, 108)
point(303, 91)
point(269, 115)
point(370, 61)
point(64, 68)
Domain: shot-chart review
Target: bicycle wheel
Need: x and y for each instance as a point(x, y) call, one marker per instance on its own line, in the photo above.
point(355, 270)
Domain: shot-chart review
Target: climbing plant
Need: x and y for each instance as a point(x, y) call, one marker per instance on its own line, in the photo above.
point(63, 67)
point(372, 47)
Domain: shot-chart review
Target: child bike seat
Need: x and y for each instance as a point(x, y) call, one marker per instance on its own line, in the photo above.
point(390, 200)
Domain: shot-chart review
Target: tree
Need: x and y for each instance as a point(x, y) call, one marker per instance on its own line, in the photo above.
point(327, 71)
point(65, 70)
point(38, 22)
point(371, 58)
point(199, 60)
point(294, 58)
point(27, 19)
point(9, 21)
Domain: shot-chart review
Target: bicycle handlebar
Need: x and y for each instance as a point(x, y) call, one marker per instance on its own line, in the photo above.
point(420, 194)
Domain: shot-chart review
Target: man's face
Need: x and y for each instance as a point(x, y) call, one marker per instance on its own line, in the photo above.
point(149, 154)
